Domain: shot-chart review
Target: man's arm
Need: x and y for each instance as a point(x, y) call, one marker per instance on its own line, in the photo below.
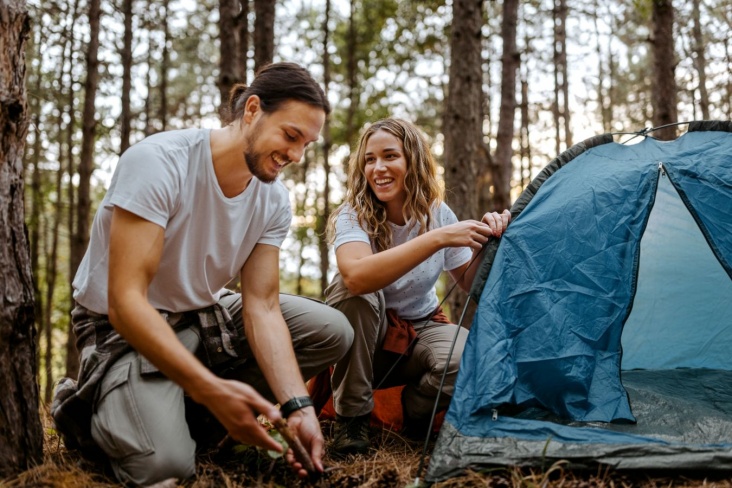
point(271, 343)
point(135, 251)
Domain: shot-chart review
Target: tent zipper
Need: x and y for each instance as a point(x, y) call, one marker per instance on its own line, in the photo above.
point(661, 169)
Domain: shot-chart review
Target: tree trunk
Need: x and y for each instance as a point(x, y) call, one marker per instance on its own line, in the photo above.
point(524, 136)
point(126, 115)
point(163, 109)
point(243, 25)
point(465, 154)
point(663, 87)
point(601, 78)
point(36, 197)
point(51, 270)
point(21, 434)
point(561, 87)
point(502, 166)
point(263, 32)
point(86, 162)
point(72, 359)
point(229, 69)
point(148, 108)
point(351, 81)
point(700, 62)
point(327, 143)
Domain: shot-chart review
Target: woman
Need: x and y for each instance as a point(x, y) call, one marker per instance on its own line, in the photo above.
point(393, 237)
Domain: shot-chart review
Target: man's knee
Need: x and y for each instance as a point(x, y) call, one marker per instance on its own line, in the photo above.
point(140, 424)
point(173, 461)
point(337, 330)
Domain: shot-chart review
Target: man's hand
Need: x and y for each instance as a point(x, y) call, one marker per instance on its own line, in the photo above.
point(236, 405)
point(304, 424)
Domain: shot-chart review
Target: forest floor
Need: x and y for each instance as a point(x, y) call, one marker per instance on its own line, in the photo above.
point(393, 462)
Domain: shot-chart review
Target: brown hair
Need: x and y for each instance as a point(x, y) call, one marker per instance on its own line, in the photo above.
point(276, 84)
point(422, 187)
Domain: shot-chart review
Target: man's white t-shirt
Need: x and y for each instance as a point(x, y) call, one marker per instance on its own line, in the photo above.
point(413, 296)
point(169, 180)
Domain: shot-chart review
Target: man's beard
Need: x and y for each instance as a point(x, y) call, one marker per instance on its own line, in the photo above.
point(255, 159)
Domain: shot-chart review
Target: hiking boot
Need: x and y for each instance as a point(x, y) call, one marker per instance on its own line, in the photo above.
point(351, 435)
point(414, 427)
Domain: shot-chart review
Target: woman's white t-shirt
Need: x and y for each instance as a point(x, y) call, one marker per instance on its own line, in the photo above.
point(413, 296)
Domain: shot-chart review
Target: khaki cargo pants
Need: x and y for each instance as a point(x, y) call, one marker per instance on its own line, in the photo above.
point(140, 415)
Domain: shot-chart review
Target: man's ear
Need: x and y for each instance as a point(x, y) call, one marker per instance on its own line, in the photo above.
point(251, 108)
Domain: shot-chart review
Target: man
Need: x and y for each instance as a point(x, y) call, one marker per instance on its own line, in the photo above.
point(185, 212)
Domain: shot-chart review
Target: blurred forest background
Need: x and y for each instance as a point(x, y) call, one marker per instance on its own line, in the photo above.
point(499, 87)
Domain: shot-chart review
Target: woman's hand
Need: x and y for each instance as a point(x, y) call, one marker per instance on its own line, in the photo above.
point(474, 234)
point(466, 233)
point(497, 221)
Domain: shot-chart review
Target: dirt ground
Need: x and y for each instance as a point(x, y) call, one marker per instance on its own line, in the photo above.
point(393, 462)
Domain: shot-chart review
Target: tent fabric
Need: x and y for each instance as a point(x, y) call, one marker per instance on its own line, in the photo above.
point(612, 249)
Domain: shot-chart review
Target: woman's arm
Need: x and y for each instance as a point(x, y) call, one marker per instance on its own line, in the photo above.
point(366, 272)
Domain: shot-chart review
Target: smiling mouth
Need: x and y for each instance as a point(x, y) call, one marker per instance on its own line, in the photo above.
point(280, 161)
point(383, 181)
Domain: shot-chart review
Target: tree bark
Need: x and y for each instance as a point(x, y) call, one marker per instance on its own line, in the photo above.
point(561, 86)
point(163, 87)
point(327, 143)
point(465, 154)
point(502, 166)
point(86, 162)
point(21, 434)
point(263, 32)
point(351, 75)
point(663, 87)
point(72, 359)
point(51, 270)
point(148, 107)
point(605, 116)
point(243, 26)
point(229, 69)
point(700, 62)
point(524, 136)
point(126, 115)
point(36, 197)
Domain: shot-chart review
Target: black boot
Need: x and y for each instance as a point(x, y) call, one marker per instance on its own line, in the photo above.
point(351, 435)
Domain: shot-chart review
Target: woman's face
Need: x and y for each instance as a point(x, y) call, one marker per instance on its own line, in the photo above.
point(386, 168)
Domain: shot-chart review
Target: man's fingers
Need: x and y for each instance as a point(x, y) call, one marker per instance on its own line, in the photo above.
point(257, 436)
point(316, 454)
point(262, 405)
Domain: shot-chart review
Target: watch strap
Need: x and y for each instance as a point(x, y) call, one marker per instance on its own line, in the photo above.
point(295, 404)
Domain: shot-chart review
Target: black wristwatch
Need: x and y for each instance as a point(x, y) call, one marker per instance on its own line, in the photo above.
point(294, 404)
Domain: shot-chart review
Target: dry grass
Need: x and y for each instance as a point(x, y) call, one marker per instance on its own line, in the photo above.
point(393, 462)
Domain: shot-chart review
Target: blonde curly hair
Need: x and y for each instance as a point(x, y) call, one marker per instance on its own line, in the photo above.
point(422, 187)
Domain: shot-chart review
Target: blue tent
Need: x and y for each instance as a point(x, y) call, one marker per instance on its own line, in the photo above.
point(603, 333)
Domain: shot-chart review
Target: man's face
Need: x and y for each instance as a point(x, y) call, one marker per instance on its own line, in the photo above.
point(280, 138)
